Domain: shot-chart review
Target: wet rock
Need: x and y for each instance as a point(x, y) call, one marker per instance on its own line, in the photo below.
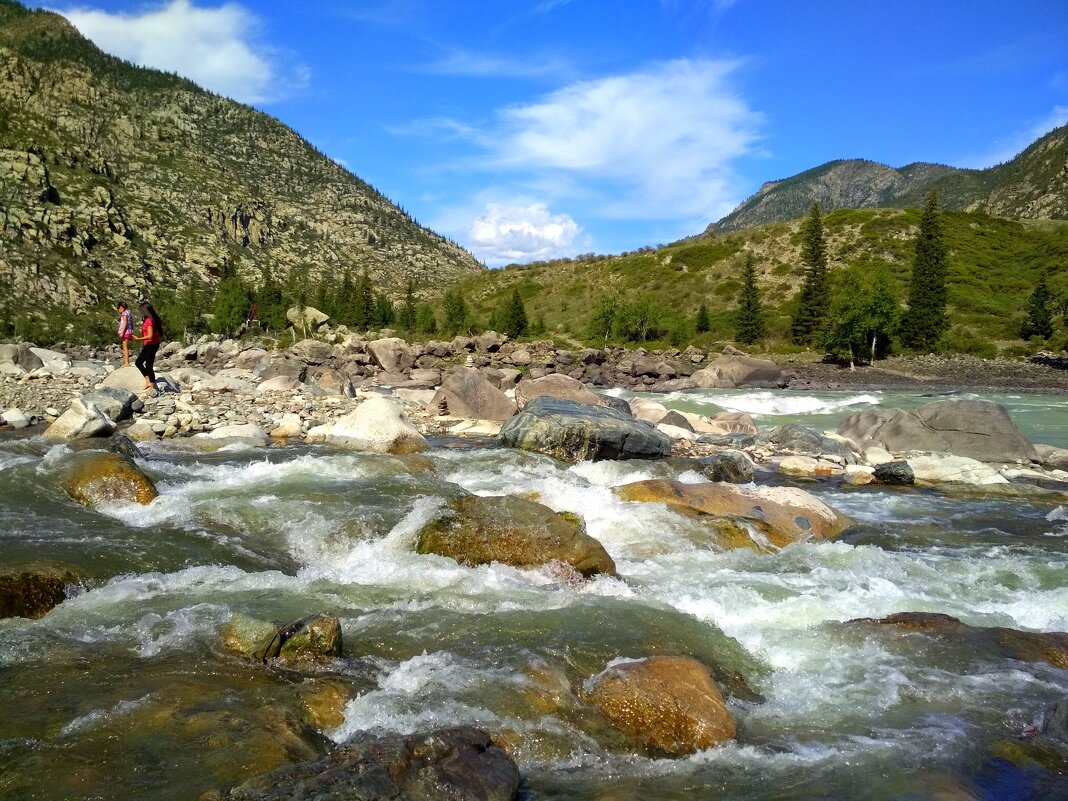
point(555, 386)
point(377, 424)
point(1052, 721)
point(101, 477)
point(124, 446)
point(740, 371)
point(575, 431)
point(467, 393)
point(458, 764)
point(324, 703)
point(310, 639)
point(478, 530)
point(240, 432)
point(786, 513)
point(33, 591)
point(938, 469)
point(894, 473)
point(977, 429)
point(734, 467)
point(798, 439)
point(1027, 646)
point(668, 703)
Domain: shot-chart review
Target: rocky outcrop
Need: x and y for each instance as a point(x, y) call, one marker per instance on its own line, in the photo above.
point(478, 530)
point(103, 478)
point(977, 429)
point(467, 393)
point(785, 514)
point(459, 764)
point(668, 703)
point(741, 371)
point(575, 431)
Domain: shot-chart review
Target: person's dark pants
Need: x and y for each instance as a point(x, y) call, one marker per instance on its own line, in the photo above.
point(145, 361)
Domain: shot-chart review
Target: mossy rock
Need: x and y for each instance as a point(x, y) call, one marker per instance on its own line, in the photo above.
point(101, 478)
point(314, 638)
point(33, 591)
point(514, 531)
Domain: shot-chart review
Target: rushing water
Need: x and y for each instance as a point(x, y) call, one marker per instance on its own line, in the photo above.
point(124, 691)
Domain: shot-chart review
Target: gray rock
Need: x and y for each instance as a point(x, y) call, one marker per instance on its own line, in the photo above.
point(575, 431)
point(734, 467)
point(1053, 721)
point(798, 439)
point(894, 473)
point(82, 420)
point(310, 351)
point(393, 355)
point(15, 418)
point(978, 429)
point(467, 393)
point(676, 419)
point(741, 371)
point(116, 403)
point(556, 386)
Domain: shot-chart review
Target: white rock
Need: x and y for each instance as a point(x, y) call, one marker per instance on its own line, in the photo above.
point(377, 424)
point(288, 426)
point(676, 432)
point(81, 421)
point(280, 383)
point(15, 418)
point(648, 410)
point(876, 456)
point(937, 468)
point(859, 474)
point(482, 428)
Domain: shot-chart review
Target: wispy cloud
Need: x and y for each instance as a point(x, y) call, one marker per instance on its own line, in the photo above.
point(457, 62)
point(503, 234)
point(1009, 147)
point(216, 47)
point(659, 142)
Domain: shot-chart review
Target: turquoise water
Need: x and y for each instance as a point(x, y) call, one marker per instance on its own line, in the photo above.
point(125, 692)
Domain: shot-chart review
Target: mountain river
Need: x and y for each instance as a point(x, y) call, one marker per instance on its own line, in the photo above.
point(125, 692)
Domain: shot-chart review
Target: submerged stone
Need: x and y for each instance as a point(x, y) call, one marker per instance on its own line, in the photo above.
point(103, 478)
point(313, 638)
point(33, 591)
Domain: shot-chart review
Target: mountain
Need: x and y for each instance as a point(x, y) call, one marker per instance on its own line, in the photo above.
point(115, 180)
point(1034, 185)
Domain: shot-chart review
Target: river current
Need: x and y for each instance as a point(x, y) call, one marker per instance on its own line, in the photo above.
point(124, 691)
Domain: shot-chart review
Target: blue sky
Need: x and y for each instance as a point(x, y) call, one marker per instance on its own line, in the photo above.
point(532, 129)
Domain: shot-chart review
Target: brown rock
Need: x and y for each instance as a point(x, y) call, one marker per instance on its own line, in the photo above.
point(106, 478)
point(669, 703)
point(556, 386)
point(33, 591)
point(467, 393)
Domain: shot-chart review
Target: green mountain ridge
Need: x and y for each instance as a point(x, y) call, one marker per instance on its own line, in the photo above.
point(1033, 185)
point(116, 180)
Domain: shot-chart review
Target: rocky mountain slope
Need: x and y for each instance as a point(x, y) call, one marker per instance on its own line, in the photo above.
point(1034, 185)
point(116, 179)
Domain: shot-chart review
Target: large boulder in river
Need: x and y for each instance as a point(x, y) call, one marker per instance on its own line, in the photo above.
point(469, 394)
point(977, 429)
point(82, 420)
point(555, 385)
point(102, 477)
point(310, 639)
point(788, 514)
point(478, 530)
point(740, 371)
point(457, 764)
point(669, 703)
point(377, 424)
point(574, 431)
point(32, 591)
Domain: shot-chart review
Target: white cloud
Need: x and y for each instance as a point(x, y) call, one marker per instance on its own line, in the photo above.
point(1011, 146)
point(216, 47)
point(658, 142)
point(504, 234)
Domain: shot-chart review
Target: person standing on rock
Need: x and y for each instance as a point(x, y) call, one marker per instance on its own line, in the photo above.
point(151, 334)
point(125, 331)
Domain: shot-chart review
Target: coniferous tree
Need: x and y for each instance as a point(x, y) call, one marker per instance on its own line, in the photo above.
point(511, 316)
point(230, 308)
point(344, 300)
point(455, 313)
point(1039, 320)
point(702, 324)
point(750, 326)
point(363, 303)
point(426, 322)
point(814, 297)
point(296, 289)
point(270, 308)
point(384, 313)
point(926, 321)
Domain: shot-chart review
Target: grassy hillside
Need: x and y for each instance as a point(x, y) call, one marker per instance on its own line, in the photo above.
point(994, 264)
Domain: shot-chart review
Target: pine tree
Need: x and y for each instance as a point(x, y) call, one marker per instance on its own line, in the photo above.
point(1039, 322)
point(750, 326)
point(384, 313)
point(426, 322)
point(702, 324)
point(230, 308)
point(926, 321)
point(344, 300)
point(511, 316)
point(362, 310)
point(454, 310)
point(814, 297)
point(270, 309)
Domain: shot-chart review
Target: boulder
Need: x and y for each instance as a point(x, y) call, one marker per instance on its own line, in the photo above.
point(858, 475)
point(424, 377)
point(310, 351)
point(238, 432)
point(504, 378)
point(82, 420)
point(280, 383)
point(332, 382)
point(118, 404)
point(477, 530)
point(310, 639)
point(15, 418)
point(127, 378)
point(938, 469)
point(668, 703)
point(734, 467)
point(288, 426)
point(306, 318)
point(574, 431)
point(391, 354)
point(894, 473)
point(734, 423)
point(467, 393)
point(255, 360)
point(1053, 721)
point(100, 478)
point(53, 361)
point(677, 420)
point(490, 341)
point(797, 439)
point(740, 371)
point(377, 424)
point(650, 411)
point(33, 591)
point(458, 764)
point(287, 366)
point(808, 467)
point(555, 386)
point(676, 432)
point(787, 514)
point(20, 356)
point(977, 429)
point(1051, 457)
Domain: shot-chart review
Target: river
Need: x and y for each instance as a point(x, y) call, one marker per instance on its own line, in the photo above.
point(124, 691)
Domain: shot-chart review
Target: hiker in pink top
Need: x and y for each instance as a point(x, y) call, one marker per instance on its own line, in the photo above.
point(125, 332)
